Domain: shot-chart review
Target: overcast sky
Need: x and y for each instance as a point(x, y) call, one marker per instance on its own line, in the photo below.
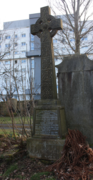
point(11, 10)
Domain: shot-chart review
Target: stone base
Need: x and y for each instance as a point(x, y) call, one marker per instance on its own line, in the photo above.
point(49, 120)
point(49, 127)
point(48, 149)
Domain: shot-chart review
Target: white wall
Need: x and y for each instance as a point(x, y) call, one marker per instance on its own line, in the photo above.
point(15, 60)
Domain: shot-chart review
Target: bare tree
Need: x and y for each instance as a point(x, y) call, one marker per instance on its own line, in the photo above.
point(8, 48)
point(15, 78)
point(75, 15)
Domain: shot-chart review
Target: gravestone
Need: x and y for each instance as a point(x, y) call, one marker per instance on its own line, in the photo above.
point(75, 78)
point(5, 107)
point(49, 118)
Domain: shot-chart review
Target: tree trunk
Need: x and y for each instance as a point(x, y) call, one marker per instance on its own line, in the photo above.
point(77, 44)
point(77, 37)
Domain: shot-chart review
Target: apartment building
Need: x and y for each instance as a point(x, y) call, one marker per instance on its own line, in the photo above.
point(14, 43)
point(20, 59)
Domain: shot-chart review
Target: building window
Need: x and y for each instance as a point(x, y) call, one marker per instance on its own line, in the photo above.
point(7, 45)
point(71, 40)
point(32, 46)
point(15, 61)
point(23, 69)
point(23, 35)
point(32, 62)
point(84, 38)
point(7, 62)
point(23, 44)
point(71, 30)
point(84, 47)
point(32, 74)
point(83, 30)
point(15, 97)
point(15, 89)
point(56, 70)
point(23, 61)
point(16, 52)
point(7, 37)
point(15, 69)
point(32, 71)
point(15, 35)
point(32, 37)
point(15, 44)
point(0, 45)
point(0, 37)
point(54, 40)
point(8, 53)
point(63, 40)
point(32, 77)
point(57, 88)
point(55, 59)
point(24, 52)
point(55, 49)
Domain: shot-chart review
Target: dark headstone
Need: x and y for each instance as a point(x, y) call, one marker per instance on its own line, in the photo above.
point(75, 76)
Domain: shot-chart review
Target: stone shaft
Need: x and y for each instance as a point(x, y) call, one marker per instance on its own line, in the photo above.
point(45, 28)
point(48, 80)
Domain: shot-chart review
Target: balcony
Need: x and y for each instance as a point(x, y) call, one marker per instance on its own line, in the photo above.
point(33, 53)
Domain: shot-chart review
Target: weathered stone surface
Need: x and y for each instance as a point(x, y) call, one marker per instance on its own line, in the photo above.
point(49, 149)
point(46, 122)
point(49, 124)
point(49, 120)
point(75, 75)
point(42, 29)
point(5, 107)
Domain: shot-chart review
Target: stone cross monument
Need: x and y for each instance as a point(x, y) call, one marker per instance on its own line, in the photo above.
point(49, 126)
point(45, 28)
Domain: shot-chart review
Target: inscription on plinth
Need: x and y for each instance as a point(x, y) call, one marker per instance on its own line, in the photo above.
point(46, 122)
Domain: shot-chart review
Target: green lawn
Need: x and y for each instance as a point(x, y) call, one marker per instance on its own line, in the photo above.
point(7, 133)
point(7, 120)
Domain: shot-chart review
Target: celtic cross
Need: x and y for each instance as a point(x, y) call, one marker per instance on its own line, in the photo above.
point(45, 28)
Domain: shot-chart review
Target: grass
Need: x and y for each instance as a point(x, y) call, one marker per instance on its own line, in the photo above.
point(37, 176)
point(10, 170)
point(7, 120)
point(51, 178)
point(20, 177)
point(8, 132)
point(7, 129)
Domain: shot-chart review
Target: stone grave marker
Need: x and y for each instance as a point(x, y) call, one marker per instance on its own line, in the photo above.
point(75, 76)
point(49, 118)
point(45, 28)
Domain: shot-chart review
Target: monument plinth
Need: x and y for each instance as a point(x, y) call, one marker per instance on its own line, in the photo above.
point(49, 126)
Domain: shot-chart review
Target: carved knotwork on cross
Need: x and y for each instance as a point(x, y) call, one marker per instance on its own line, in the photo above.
point(46, 22)
point(45, 28)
